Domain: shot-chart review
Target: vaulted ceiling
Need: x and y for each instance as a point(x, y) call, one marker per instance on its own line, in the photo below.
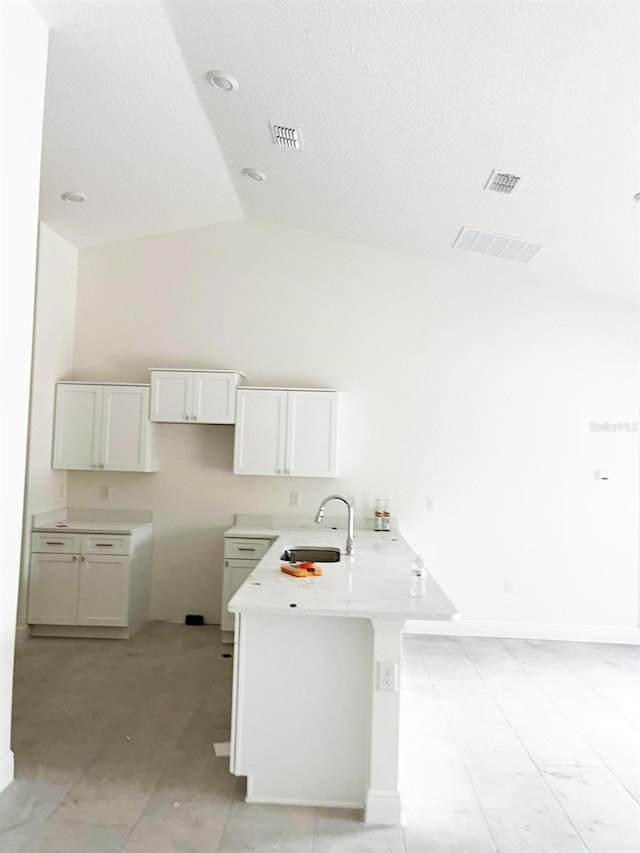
point(404, 109)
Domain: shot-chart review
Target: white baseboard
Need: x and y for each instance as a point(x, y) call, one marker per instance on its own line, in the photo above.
point(383, 808)
point(23, 632)
point(523, 631)
point(7, 767)
point(295, 801)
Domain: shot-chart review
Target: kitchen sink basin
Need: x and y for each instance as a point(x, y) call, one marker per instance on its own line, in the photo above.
point(304, 553)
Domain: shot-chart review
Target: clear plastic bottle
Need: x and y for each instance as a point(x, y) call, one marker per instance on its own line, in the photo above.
point(418, 578)
point(386, 516)
point(378, 517)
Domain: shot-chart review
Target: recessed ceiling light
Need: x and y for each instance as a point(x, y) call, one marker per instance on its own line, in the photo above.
point(254, 175)
point(74, 196)
point(222, 81)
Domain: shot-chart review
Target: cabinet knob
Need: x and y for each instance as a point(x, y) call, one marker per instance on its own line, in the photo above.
point(278, 471)
point(74, 558)
point(194, 417)
point(286, 471)
point(186, 417)
point(101, 465)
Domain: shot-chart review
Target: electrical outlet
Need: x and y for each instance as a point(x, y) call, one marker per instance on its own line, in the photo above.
point(509, 586)
point(295, 499)
point(388, 676)
point(105, 493)
point(430, 504)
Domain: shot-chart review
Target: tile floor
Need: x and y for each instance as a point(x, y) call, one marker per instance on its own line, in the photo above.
point(508, 745)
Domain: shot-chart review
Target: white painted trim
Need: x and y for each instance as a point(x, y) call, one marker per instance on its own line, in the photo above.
point(383, 808)
point(23, 632)
point(7, 765)
point(524, 631)
point(285, 801)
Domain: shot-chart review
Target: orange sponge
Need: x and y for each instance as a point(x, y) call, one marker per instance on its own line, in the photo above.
point(301, 570)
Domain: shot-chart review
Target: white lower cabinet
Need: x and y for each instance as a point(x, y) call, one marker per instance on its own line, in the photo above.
point(241, 555)
point(103, 589)
point(286, 432)
point(53, 589)
point(89, 584)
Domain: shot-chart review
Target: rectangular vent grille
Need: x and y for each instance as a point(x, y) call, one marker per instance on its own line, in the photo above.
point(498, 245)
point(502, 182)
point(286, 137)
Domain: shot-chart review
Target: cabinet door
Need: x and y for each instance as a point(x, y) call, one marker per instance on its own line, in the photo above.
point(103, 591)
point(235, 574)
point(126, 431)
point(171, 396)
point(53, 589)
point(260, 431)
point(214, 397)
point(77, 427)
point(311, 433)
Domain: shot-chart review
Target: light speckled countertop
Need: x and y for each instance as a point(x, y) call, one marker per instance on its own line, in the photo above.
point(374, 583)
point(86, 520)
point(95, 526)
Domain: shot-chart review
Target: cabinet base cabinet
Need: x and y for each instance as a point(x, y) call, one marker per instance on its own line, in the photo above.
point(103, 592)
point(301, 709)
point(242, 555)
point(53, 589)
point(235, 574)
point(84, 594)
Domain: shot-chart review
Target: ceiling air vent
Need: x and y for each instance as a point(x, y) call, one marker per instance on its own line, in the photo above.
point(502, 182)
point(498, 245)
point(286, 137)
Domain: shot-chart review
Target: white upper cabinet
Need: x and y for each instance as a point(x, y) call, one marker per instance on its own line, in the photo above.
point(286, 432)
point(312, 420)
point(170, 396)
point(260, 432)
point(194, 396)
point(102, 427)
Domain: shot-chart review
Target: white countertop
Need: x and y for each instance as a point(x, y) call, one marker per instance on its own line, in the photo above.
point(374, 583)
point(87, 520)
point(90, 526)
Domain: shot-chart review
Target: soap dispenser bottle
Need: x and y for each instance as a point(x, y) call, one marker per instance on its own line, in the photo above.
point(377, 525)
point(386, 516)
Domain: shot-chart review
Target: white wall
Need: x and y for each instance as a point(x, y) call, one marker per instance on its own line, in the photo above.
point(476, 389)
point(52, 360)
point(24, 58)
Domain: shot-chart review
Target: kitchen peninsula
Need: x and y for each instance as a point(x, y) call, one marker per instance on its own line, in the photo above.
point(316, 672)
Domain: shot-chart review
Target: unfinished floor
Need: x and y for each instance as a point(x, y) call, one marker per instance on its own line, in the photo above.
point(508, 745)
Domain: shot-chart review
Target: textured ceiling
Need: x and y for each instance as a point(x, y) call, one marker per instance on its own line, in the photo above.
point(124, 124)
point(404, 110)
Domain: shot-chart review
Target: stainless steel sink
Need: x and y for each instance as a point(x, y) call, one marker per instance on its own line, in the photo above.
point(304, 553)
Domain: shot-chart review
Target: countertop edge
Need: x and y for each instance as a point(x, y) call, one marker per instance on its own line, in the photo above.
point(343, 611)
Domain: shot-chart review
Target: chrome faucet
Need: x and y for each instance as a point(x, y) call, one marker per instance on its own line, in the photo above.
point(320, 516)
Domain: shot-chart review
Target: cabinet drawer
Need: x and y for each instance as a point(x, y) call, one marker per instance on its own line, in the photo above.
point(55, 543)
point(99, 543)
point(246, 549)
point(241, 564)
